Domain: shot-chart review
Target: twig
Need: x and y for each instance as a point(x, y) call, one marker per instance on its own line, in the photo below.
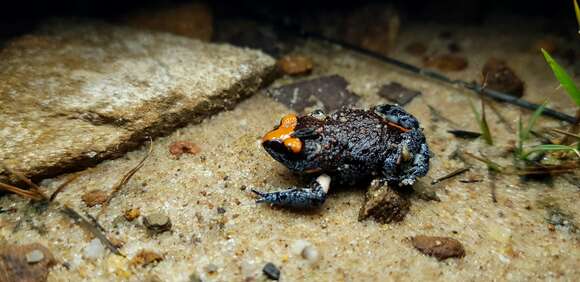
point(37, 195)
point(21, 192)
point(85, 224)
point(35, 188)
point(566, 133)
point(451, 174)
point(125, 179)
point(61, 187)
point(492, 179)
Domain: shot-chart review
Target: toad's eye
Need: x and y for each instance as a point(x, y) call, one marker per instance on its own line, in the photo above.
point(283, 134)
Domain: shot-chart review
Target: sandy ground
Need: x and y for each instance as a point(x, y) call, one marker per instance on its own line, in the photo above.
point(507, 240)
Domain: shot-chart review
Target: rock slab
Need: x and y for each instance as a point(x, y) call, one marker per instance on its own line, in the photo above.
point(73, 94)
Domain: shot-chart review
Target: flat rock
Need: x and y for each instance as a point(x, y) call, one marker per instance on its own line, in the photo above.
point(328, 93)
point(439, 247)
point(74, 94)
point(398, 93)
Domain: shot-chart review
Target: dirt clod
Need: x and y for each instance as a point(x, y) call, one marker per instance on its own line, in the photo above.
point(145, 258)
point(94, 197)
point(25, 262)
point(439, 247)
point(179, 148)
point(384, 204)
point(398, 93)
point(446, 62)
point(271, 271)
point(500, 77)
point(157, 223)
point(295, 65)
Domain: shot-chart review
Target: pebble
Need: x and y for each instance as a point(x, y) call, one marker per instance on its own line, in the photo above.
point(500, 77)
point(178, 148)
point(306, 250)
point(132, 214)
point(34, 256)
point(271, 271)
point(94, 197)
point(439, 247)
point(295, 65)
point(157, 223)
point(146, 257)
point(94, 249)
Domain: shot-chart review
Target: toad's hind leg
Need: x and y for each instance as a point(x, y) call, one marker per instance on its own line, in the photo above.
point(409, 161)
point(397, 115)
point(299, 198)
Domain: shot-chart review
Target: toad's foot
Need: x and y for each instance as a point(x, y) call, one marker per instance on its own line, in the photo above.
point(299, 198)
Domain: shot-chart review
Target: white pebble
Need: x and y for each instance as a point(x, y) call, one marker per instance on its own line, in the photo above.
point(94, 250)
point(306, 250)
point(310, 253)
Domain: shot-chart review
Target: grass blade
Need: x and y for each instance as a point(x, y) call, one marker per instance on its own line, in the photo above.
point(565, 80)
point(537, 113)
point(482, 122)
point(551, 147)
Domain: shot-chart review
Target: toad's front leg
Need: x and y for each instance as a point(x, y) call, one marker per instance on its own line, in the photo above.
point(310, 197)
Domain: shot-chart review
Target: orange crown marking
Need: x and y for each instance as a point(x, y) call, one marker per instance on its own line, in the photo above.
point(283, 133)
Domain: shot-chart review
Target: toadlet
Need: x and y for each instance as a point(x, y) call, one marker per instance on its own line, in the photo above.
point(347, 147)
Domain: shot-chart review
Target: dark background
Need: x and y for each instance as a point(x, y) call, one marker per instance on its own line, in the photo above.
point(17, 17)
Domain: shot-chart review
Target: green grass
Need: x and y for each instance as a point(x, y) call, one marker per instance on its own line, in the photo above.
point(563, 77)
point(524, 133)
point(482, 122)
point(550, 148)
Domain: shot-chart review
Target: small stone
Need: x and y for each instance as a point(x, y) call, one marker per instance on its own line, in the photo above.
point(94, 249)
point(157, 223)
point(271, 271)
point(94, 197)
point(329, 93)
point(132, 214)
point(446, 62)
point(384, 204)
point(398, 93)
point(295, 65)
point(179, 148)
point(311, 254)
point(439, 247)
point(34, 256)
point(498, 76)
point(145, 258)
point(221, 210)
point(416, 49)
point(306, 250)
